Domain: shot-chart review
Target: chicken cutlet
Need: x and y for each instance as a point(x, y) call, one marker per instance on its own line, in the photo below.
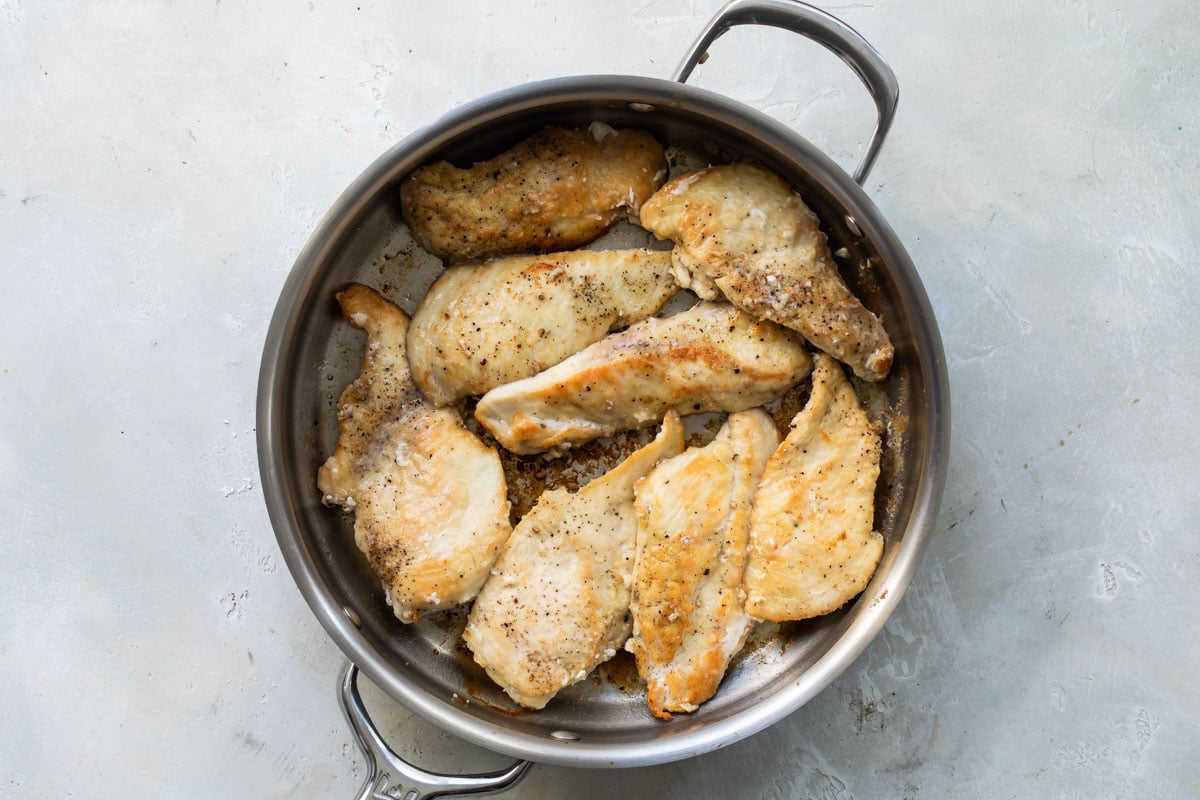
point(741, 231)
point(483, 326)
point(558, 189)
point(693, 516)
point(429, 498)
point(710, 357)
point(812, 543)
point(557, 602)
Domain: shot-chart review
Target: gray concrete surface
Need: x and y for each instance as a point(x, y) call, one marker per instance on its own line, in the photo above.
point(162, 163)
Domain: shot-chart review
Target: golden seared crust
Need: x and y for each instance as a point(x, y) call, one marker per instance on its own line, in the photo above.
point(693, 515)
point(741, 230)
point(711, 357)
point(482, 326)
point(556, 604)
point(556, 190)
point(812, 547)
point(429, 498)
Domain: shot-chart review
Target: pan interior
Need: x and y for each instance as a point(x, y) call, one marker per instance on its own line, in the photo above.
point(313, 354)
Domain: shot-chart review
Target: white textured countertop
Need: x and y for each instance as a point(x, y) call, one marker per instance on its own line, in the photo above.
point(162, 164)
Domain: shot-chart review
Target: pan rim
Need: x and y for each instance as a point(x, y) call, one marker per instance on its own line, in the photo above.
point(413, 150)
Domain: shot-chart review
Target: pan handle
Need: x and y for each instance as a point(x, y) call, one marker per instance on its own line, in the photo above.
point(815, 24)
point(389, 777)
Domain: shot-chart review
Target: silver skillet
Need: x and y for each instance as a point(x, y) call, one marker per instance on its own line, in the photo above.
point(310, 354)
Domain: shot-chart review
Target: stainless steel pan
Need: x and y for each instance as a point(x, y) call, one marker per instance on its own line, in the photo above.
point(310, 354)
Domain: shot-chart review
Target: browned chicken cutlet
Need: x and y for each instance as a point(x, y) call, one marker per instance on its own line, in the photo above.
point(812, 542)
point(556, 190)
point(429, 498)
point(557, 602)
point(710, 357)
point(741, 231)
point(483, 326)
point(693, 528)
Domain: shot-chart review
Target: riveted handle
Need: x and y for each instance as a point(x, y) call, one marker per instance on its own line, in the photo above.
point(390, 777)
point(829, 31)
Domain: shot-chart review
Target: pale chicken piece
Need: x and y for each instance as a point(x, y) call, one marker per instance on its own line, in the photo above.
point(741, 230)
point(711, 357)
point(483, 326)
point(812, 546)
point(429, 498)
point(557, 603)
point(693, 530)
point(558, 189)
